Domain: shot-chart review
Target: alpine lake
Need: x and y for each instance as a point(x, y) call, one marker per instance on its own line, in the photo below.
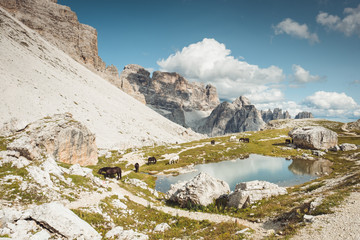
point(276, 170)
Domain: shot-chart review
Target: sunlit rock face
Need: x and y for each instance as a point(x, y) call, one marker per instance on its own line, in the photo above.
point(238, 116)
point(60, 136)
point(60, 26)
point(170, 94)
point(201, 190)
point(249, 192)
point(314, 137)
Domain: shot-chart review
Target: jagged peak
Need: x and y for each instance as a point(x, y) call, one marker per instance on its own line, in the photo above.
point(241, 101)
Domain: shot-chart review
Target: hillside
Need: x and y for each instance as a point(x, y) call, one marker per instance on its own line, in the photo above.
point(37, 79)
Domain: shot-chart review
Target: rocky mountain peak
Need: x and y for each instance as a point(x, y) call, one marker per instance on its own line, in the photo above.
point(241, 101)
point(237, 116)
point(302, 115)
point(277, 113)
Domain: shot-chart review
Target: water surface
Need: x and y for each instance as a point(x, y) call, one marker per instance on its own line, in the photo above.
point(257, 167)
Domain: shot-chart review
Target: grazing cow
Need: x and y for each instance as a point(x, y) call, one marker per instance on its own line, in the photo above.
point(232, 138)
point(287, 141)
point(137, 167)
point(151, 160)
point(212, 142)
point(110, 171)
point(174, 159)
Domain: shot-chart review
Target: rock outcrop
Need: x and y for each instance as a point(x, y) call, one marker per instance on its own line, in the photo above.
point(302, 115)
point(46, 221)
point(269, 115)
point(354, 126)
point(60, 26)
point(60, 137)
point(314, 137)
point(169, 94)
point(201, 190)
point(237, 116)
point(249, 192)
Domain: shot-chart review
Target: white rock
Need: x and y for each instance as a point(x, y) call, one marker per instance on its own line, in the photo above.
point(201, 190)
point(50, 166)
point(22, 230)
point(120, 234)
point(42, 235)
point(64, 221)
point(314, 137)
point(308, 218)
point(76, 169)
point(136, 182)
point(118, 204)
point(40, 176)
point(162, 227)
point(318, 153)
point(347, 147)
point(250, 192)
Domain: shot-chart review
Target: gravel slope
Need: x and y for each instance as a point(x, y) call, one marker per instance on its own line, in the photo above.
point(37, 80)
point(343, 224)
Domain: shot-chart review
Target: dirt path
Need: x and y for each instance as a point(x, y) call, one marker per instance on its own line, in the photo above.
point(343, 224)
point(91, 199)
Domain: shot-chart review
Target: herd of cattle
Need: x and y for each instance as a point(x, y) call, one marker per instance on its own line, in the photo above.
point(112, 171)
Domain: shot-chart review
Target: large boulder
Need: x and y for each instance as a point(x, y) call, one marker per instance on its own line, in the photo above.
point(58, 219)
point(47, 221)
point(203, 189)
point(60, 137)
point(249, 192)
point(314, 137)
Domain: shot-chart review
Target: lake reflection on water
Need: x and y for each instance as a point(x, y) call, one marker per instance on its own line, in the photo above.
point(257, 167)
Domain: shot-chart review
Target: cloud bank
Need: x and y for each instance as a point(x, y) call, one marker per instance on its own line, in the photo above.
point(349, 25)
point(209, 61)
point(302, 76)
point(294, 29)
point(332, 104)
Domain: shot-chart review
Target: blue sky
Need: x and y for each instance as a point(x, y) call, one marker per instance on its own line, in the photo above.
point(296, 55)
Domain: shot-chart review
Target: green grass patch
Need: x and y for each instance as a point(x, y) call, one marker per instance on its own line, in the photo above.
point(144, 219)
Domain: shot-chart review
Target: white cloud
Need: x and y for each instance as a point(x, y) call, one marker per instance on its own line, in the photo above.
point(209, 61)
point(302, 76)
point(294, 29)
point(332, 104)
point(349, 25)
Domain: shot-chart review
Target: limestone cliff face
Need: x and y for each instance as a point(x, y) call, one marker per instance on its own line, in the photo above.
point(237, 116)
point(168, 93)
point(269, 115)
point(60, 26)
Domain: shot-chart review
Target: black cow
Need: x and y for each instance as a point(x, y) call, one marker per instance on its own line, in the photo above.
point(137, 167)
point(151, 160)
point(287, 141)
point(212, 142)
point(110, 171)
